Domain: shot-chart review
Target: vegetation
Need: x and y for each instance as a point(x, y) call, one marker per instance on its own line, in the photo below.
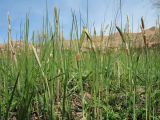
point(44, 80)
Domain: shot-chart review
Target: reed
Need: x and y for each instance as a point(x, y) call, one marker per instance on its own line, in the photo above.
point(47, 80)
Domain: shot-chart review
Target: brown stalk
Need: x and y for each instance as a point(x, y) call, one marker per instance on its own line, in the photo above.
point(143, 31)
point(10, 47)
point(43, 74)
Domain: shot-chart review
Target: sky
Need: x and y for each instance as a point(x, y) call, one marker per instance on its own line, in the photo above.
point(99, 12)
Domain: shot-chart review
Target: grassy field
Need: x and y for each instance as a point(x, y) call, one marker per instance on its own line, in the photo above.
point(44, 81)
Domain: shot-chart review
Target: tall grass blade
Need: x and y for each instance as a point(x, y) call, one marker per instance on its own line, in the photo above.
point(11, 98)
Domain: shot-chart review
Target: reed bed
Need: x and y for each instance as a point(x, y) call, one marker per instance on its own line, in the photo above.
point(44, 80)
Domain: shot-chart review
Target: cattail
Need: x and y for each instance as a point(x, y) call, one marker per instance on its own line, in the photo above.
point(143, 32)
point(121, 34)
point(78, 57)
point(123, 40)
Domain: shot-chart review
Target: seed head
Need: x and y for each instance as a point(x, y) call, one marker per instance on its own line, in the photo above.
point(78, 57)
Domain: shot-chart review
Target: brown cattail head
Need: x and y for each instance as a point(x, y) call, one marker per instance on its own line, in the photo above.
point(143, 31)
point(121, 34)
point(142, 23)
point(78, 57)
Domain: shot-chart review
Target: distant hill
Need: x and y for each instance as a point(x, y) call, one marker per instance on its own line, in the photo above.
point(112, 41)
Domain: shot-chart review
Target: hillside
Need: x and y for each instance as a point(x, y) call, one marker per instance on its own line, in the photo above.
point(112, 41)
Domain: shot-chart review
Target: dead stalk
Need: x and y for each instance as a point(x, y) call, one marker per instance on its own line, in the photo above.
point(43, 74)
point(10, 47)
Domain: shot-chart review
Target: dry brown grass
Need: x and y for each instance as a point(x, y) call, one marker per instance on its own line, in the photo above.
point(109, 42)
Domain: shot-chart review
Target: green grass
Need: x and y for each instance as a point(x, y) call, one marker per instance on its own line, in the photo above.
point(70, 84)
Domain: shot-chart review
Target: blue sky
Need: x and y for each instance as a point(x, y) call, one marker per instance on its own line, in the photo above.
point(100, 12)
